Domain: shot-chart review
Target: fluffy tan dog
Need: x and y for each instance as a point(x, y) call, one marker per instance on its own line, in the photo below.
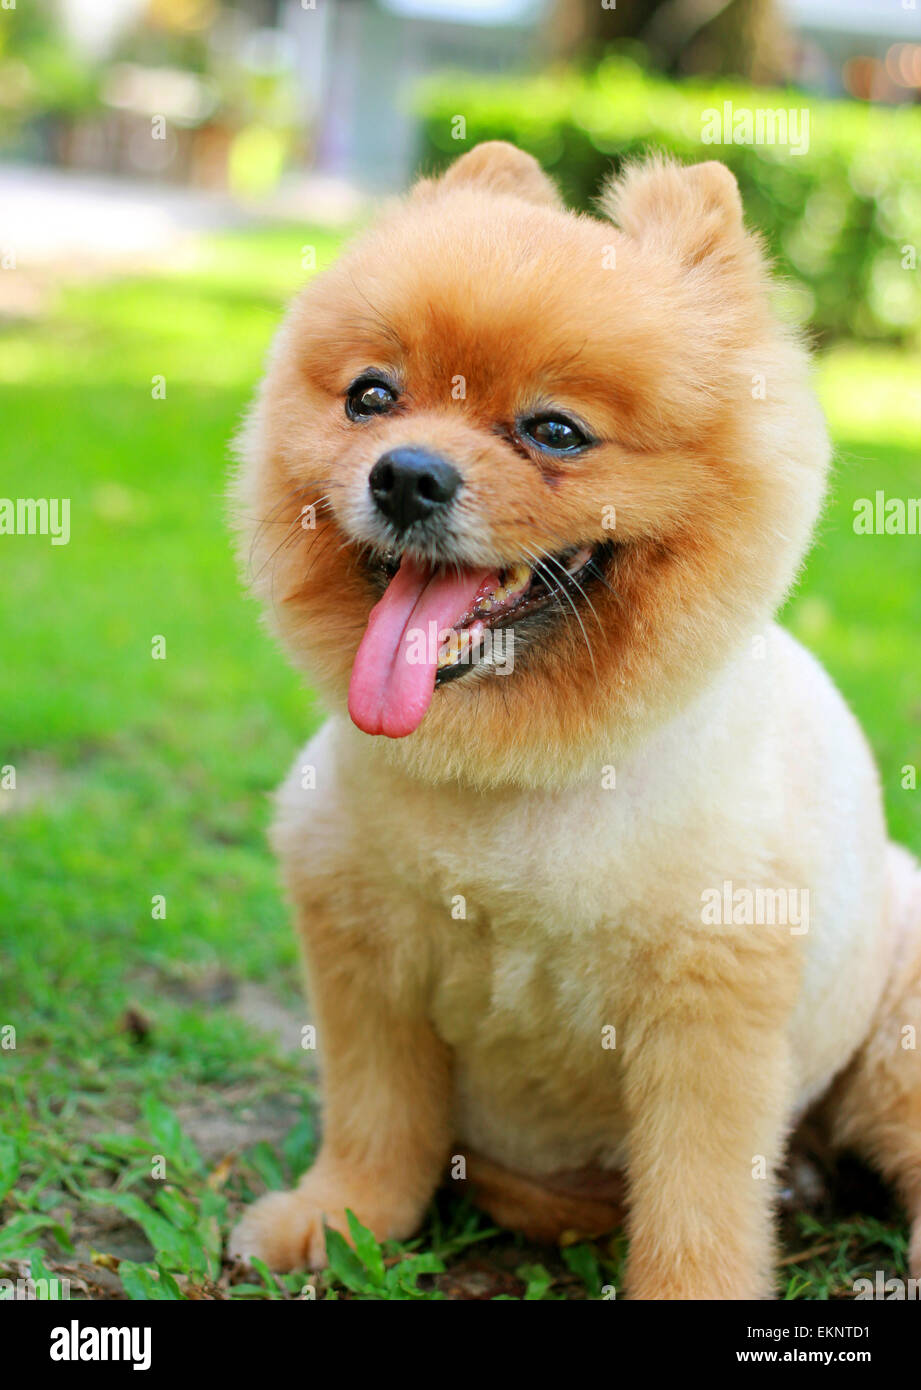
point(593, 887)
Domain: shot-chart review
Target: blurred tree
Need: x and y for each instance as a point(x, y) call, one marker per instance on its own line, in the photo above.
point(742, 38)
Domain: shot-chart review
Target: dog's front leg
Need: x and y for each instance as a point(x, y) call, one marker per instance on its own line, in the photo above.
point(708, 1094)
point(387, 1107)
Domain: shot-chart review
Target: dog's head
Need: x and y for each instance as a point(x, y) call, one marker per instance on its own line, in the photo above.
point(518, 481)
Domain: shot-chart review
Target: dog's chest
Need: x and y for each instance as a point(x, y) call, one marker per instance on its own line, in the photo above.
point(524, 925)
point(517, 931)
point(533, 1023)
point(498, 977)
point(527, 978)
point(525, 922)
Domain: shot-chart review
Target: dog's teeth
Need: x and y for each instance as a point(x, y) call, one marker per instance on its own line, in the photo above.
point(517, 579)
point(453, 647)
point(458, 643)
point(446, 654)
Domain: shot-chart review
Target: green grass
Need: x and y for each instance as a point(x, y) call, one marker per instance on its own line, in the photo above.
point(138, 777)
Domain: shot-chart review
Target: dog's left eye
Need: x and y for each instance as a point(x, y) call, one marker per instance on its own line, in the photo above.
point(555, 433)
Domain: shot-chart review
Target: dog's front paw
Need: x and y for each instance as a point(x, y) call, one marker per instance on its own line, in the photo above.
point(286, 1230)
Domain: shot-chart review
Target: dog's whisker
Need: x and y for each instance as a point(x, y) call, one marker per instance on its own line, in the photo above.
point(293, 528)
point(572, 579)
point(600, 575)
point(298, 490)
point(569, 599)
point(552, 585)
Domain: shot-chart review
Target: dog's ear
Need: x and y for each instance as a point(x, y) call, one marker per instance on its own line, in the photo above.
point(690, 212)
point(501, 168)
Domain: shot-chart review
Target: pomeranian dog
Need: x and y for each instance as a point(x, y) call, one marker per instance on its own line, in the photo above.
point(589, 864)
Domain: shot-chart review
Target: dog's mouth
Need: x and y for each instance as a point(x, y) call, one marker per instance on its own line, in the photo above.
point(436, 623)
point(522, 590)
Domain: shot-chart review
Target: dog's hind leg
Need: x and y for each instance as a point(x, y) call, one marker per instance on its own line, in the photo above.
point(875, 1106)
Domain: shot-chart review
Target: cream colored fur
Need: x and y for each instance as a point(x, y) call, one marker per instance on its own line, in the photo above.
point(475, 926)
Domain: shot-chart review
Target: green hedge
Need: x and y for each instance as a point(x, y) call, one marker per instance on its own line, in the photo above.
point(842, 219)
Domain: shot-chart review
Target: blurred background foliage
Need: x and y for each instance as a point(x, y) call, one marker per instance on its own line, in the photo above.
point(840, 218)
point(260, 94)
point(84, 95)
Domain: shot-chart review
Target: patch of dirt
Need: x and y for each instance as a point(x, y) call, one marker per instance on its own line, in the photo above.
point(216, 1132)
point(97, 1227)
point(38, 779)
point(259, 1007)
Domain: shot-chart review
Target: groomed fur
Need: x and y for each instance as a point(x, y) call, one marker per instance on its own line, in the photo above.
point(715, 491)
point(513, 978)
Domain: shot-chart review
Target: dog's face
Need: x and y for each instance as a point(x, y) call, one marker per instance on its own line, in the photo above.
point(518, 481)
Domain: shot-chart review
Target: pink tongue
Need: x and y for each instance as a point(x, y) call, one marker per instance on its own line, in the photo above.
point(393, 678)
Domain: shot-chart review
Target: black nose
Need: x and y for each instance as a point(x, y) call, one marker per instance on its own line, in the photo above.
point(411, 484)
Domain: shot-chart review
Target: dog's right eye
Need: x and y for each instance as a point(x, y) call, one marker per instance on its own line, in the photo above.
point(365, 398)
